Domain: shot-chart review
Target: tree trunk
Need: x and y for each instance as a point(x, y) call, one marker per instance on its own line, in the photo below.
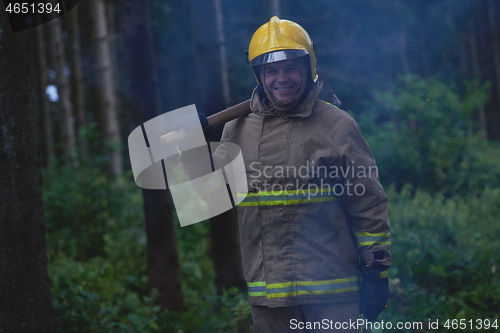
point(496, 54)
point(477, 73)
point(66, 119)
point(224, 232)
point(179, 62)
point(222, 52)
point(25, 304)
point(226, 254)
point(105, 84)
point(163, 259)
point(46, 116)
point(77, 96)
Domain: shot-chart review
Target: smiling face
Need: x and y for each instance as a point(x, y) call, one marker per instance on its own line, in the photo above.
point(283, 79)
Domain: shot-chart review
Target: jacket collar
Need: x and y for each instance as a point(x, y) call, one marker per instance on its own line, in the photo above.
point(302, 110)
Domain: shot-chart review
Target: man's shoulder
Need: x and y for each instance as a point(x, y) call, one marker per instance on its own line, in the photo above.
point(235, 127)
point(238, 121)
point(330, 113)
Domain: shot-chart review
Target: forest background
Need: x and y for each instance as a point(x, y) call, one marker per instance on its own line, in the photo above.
point(86, 250)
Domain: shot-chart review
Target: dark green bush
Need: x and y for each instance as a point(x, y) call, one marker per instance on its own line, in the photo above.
point(98, 267)
point(422, 133)
point(446, 263)
point(444, 192)
point(84, 204)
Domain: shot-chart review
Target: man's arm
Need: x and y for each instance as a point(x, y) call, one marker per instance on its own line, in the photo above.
point(366, 208)
point(366, 203)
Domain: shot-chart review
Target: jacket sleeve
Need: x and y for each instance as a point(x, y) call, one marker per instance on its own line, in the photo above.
point(364, 200)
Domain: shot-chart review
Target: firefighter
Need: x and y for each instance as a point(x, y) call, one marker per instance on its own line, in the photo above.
point(314, 231)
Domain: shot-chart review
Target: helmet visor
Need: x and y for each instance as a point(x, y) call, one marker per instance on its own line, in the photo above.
point(275, 56)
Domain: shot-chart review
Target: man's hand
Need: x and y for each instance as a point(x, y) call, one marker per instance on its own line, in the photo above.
point(374, 291)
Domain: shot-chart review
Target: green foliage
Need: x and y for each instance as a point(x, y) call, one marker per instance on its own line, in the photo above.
point(228, 313)
point(446, 262)
point(98, 266)
point(197, 269)
point(97, 248)
point(421, 133)
point(444, 181)
point(85, 202)
point(97, 296)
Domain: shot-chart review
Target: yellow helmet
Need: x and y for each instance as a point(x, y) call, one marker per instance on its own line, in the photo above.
point(280, 40)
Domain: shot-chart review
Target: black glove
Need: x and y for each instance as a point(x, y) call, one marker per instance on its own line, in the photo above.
point(374, 291)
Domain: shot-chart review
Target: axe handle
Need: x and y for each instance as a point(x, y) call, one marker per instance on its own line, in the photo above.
point(233, 112)
point(219, 118)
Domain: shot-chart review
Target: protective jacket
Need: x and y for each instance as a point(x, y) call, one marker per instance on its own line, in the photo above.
point(314, 200)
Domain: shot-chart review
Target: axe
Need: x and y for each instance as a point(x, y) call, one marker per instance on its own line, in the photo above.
point(219, 118)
